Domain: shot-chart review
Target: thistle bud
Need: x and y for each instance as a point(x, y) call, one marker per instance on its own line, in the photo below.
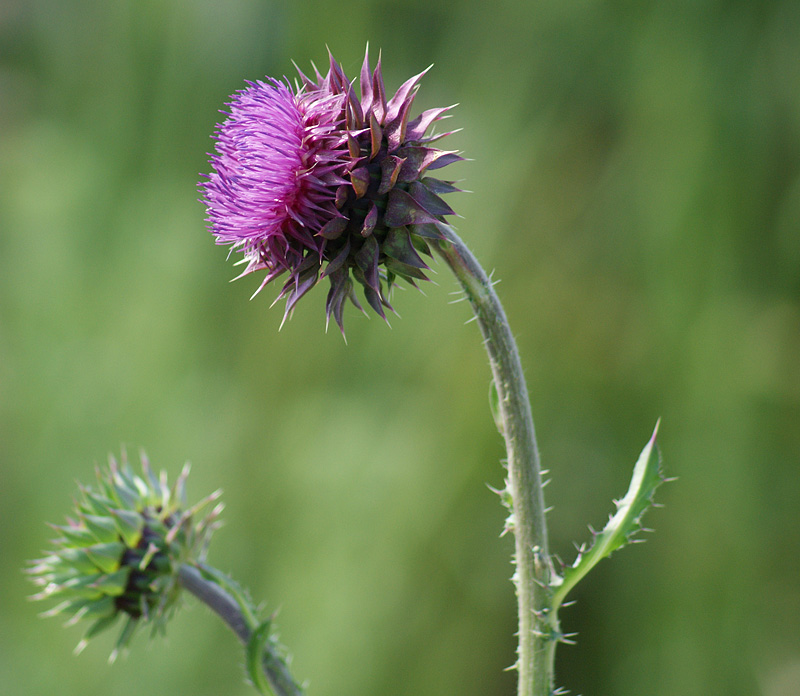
point(119, 556)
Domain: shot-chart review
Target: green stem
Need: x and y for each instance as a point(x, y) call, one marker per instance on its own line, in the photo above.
point(241, 620)
point(538, 625)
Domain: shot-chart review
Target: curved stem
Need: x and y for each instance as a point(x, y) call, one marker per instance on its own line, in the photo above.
point(538, 627)
point(241, 622)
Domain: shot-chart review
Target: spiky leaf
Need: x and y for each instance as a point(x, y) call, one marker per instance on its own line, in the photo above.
point(625, 522)
point(255, 654)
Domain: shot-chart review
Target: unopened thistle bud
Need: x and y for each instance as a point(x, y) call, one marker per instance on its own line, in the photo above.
point(315, 182)
point(121, 553)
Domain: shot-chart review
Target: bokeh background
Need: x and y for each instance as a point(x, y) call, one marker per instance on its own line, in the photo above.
point(635, 183)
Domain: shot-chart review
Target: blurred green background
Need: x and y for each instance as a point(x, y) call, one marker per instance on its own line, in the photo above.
point(635, 183)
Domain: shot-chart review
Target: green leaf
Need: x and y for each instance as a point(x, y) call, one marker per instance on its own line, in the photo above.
point(625, 522)
point(249, 611)
point(129, 526)
point(124, 638)
point(101, 625)
point(127, 494)
point(80, 586)
point(254, 657)
point(100, 608)
point(75, 537)
point(102, 528)
point(73, 561)
point(95, 504)
point(113, 584)
point(106, 557)
point(494, 405)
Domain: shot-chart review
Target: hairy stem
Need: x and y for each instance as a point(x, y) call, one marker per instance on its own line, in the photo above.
point(242, 622)
point(538, 627)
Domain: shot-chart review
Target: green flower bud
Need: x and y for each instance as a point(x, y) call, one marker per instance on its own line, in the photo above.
point(121, 553)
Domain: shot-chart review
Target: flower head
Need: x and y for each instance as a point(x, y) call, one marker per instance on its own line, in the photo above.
point(316, 182)
point(121, 554)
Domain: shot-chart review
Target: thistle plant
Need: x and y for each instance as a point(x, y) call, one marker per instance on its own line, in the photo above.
point(314, 180)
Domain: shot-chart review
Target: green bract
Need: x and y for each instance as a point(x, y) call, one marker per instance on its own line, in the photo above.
point(121, 554)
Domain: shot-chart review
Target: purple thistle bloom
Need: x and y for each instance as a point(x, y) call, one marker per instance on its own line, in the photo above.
point(315, 182)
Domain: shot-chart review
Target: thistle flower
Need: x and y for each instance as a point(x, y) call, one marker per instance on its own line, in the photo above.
point(315, 182)
point(121, 555)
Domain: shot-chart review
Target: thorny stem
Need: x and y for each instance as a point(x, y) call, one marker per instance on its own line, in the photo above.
point(228, 609)
point(538, 625)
